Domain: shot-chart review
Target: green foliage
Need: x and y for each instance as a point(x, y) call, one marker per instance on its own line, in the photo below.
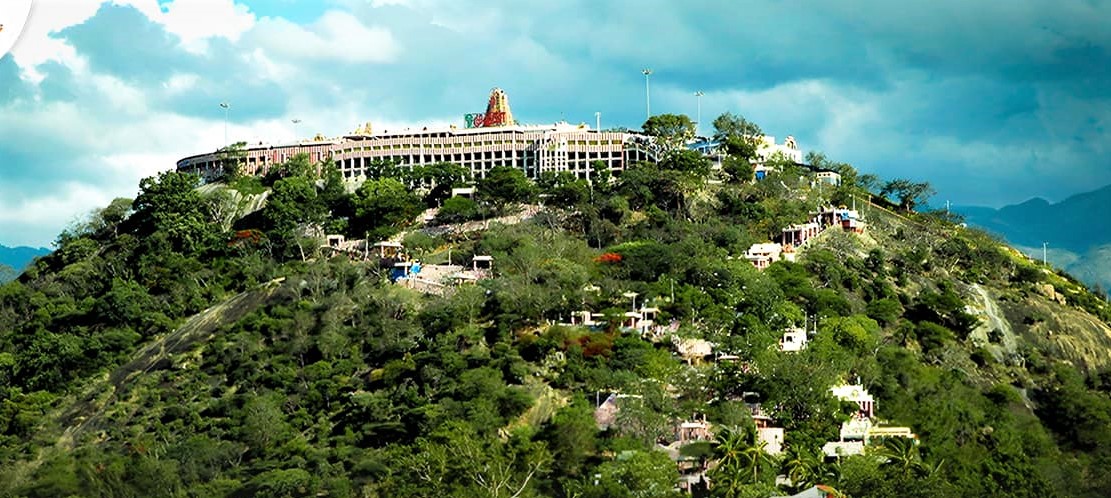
point(247, 185)
point(458, 209)
point(909, 194)
point(648, 185)
point(562, 189)
point(316, 377)
point(382, 207)
point(170, 207)
point(670, 130)
point(504, 185)
point(292, 206)
point(439, 179)
point(740, 137)
point(739, 169)
point(635, 474)
point(232, 159)
point(299, 165)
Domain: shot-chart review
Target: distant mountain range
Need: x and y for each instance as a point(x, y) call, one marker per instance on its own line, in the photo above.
point(1077, 231)
point(14, 259)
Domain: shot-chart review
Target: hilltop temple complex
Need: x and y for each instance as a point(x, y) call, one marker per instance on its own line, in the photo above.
point(487, 140)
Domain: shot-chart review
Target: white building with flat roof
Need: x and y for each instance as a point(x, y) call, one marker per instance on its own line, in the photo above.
point(482, 144)
point(857, 394)
point(793, 340)
point(763, 255)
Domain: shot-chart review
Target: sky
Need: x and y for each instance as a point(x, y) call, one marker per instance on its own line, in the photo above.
point(992, 102)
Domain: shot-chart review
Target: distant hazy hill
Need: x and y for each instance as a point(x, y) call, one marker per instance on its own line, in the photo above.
point(14, 259)
point(7, 274)
point(1077, 230)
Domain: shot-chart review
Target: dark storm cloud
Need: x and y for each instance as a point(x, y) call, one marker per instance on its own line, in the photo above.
point(992, 101)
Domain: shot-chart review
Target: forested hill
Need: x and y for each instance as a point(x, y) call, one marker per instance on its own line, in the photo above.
point(211, 343)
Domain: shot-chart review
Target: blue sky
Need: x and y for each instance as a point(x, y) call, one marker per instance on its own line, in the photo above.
point(992, 101)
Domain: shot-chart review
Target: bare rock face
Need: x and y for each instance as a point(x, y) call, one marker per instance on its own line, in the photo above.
point(225, 205)
point(1061, 331)
point(1047, 290)
point(994, 328)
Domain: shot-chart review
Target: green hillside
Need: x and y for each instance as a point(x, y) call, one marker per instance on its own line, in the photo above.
point(212, 342)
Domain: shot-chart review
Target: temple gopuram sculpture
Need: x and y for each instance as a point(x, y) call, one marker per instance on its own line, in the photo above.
point(497, 109)
point(363, 130)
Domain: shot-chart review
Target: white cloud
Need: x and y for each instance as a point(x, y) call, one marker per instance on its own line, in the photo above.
point(36, 220)
point(36, 46)
point(335, 36)
point(180, 83)
point(195, 21)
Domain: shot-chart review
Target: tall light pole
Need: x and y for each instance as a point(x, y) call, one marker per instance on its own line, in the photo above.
point(598, 121)
point(227, 107)
point(698, 117)
point(647, 94)
point(1045, 260)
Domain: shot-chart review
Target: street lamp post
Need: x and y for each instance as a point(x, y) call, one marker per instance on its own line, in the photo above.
point(227, 107)
point(698, 117)
point(647, 94)
point(632, 296)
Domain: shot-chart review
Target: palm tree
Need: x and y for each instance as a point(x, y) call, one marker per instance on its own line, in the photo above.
point(830, 473)
point(729, 446)
point(902, 454)
point(803, 468)
point(757, 459)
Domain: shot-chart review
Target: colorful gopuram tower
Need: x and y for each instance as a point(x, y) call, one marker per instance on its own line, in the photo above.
point(497, 109)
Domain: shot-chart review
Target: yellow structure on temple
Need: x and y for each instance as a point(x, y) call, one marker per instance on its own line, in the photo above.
point(497, 109)
point(363, 130)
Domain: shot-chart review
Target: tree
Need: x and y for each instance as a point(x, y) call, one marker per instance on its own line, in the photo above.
point(563, 189)
point(737, 135)
point(292, 204)
point(637, 474)
point(902, 455)
point(231, 160)
point(382, 207)
point(440, 178)
point(504, 185)
point(572, 437)
point(886, 311)
point(458, 209)
point(456, 455)
point(741, 461)
point(298, 165)
point(647, 184)
point(170, 204)
point(671, 130)
point(738, 169)
point(803, 467)
point(600, 176)
point(109, 218)
point(910, 194)
point(687, 161)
